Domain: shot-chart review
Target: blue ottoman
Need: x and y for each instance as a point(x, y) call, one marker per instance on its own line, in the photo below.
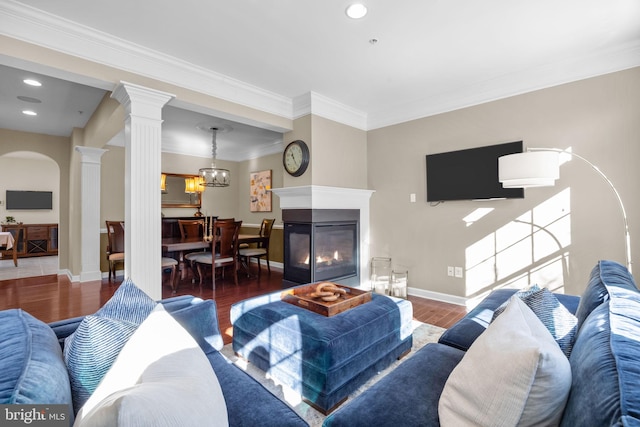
point(324, 359)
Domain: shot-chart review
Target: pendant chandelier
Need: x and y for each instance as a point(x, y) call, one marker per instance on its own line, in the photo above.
point(213, 176)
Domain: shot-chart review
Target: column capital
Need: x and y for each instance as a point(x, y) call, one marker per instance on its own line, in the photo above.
point(139, 100)
point(90, 154)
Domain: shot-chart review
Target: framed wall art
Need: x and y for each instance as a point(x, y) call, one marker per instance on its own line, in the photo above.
point(259, 191)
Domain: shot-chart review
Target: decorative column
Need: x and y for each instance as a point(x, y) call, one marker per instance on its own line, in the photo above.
point(142, 216)
point(90, 212)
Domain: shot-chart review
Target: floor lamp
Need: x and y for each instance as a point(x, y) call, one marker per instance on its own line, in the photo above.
point(540, 167)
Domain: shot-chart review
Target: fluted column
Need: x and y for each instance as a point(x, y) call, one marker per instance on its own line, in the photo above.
point(90, 212)
point(143, 125)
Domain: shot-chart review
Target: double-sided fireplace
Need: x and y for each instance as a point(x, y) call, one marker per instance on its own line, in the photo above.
point(321, 244)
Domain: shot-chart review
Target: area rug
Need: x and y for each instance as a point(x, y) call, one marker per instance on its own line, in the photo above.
point(423, 333)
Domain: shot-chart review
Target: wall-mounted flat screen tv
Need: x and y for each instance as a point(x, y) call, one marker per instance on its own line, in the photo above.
point(26, 200)
point(470, 174)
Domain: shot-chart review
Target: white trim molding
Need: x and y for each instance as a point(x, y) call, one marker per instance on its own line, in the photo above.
point(319, 105)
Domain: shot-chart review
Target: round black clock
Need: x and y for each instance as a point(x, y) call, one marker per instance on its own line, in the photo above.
point(295, 158)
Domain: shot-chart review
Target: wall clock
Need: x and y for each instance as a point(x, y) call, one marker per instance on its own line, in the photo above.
point(295, 158)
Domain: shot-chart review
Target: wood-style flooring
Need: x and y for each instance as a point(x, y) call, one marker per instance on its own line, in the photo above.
point(52, 297)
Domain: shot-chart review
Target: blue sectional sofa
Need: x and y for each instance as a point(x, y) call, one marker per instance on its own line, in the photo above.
point(604, 362)
point(33, 371)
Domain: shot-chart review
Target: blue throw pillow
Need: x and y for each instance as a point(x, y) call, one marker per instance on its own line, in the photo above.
point(522, 293)
point(559, 321)
point(31, 367)
point(91, 350)
point(605, 274)
point(200, 319)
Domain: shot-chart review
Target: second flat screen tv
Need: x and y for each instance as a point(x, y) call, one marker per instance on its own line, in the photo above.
point(27, 200)
point(470, 174)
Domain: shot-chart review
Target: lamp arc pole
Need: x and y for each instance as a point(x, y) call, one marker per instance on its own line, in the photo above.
point(627, 237)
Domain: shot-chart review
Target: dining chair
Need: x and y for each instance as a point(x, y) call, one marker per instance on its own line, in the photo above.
point(190, 228)
point(189, 256)
point(226, 233)
point(170, 264)
point(262, 247)
point(115, 245)
point(13, 251)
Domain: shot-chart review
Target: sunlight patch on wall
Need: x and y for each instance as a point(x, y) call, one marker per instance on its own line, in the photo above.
point(476, 215)
point(529, 249)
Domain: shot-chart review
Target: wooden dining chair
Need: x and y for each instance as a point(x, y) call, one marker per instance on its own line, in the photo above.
point(226, 253)
point(115, 245)
point(13, 251)
point(170, 264)
point(189, 256)
point(190, 228)
point(262, 248)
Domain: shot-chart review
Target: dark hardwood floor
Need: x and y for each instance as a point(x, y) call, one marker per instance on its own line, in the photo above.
point(51, 298)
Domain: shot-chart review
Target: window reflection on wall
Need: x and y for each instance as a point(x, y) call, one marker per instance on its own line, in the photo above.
point(530, 249)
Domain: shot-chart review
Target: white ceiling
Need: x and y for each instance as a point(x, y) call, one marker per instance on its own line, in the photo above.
point(64, 105)
point(431, 56)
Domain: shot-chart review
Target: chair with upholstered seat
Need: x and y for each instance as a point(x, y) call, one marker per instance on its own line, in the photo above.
point(226, 233)
point(12, 249)
point(115, 245)
point(262, 248)
point(188, 229)
point(170, 264)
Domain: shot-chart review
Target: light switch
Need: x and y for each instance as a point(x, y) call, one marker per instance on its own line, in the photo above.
point(412, 197)
point(458, 271)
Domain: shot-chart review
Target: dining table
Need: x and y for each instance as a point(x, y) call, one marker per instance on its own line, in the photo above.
point(180, 246)
point(7, 244)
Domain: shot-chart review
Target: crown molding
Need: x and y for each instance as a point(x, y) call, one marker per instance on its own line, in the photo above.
point(34, 26)
point(573, 69)
point(320, 105)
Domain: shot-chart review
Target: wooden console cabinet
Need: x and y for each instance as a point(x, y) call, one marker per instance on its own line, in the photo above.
point(35, 239)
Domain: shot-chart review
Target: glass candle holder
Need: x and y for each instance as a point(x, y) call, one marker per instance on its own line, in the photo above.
point(399, 283)
point(380, 276)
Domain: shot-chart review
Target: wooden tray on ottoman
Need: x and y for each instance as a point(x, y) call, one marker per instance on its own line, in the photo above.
point(300, 296)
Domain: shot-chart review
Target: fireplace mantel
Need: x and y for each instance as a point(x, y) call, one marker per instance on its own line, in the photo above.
point(322, 197)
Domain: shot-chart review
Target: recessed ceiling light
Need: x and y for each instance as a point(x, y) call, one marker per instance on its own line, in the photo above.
point(29, 113)
point(32, 82)
point(356, 11)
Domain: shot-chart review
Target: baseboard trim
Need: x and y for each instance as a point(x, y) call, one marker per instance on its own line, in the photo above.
point(437, 296)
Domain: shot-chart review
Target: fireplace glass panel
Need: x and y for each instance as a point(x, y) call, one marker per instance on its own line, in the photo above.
point(335, 251)
point(317, 252)
point(300, 244)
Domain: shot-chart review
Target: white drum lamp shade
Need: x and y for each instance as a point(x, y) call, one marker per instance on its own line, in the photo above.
point(540, 167)
point(529, 169)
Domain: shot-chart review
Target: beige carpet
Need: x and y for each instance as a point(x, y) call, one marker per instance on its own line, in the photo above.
point(422, 334)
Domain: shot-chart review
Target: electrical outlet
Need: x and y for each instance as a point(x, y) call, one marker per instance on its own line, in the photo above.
point(458, 271)
point(450, 271)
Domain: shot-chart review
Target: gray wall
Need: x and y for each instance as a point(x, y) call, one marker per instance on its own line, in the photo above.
point(555, 235)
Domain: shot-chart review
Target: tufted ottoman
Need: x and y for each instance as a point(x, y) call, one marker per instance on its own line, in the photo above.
point(324, 359)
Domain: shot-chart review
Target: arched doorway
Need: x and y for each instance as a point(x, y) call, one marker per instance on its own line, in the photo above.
point(30, 171)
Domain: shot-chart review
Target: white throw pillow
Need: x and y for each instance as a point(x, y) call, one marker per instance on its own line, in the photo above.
point(160, 378)
point(513, 374)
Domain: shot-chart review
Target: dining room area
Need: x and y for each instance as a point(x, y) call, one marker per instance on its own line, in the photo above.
point(202, 246)
point(245, 197)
